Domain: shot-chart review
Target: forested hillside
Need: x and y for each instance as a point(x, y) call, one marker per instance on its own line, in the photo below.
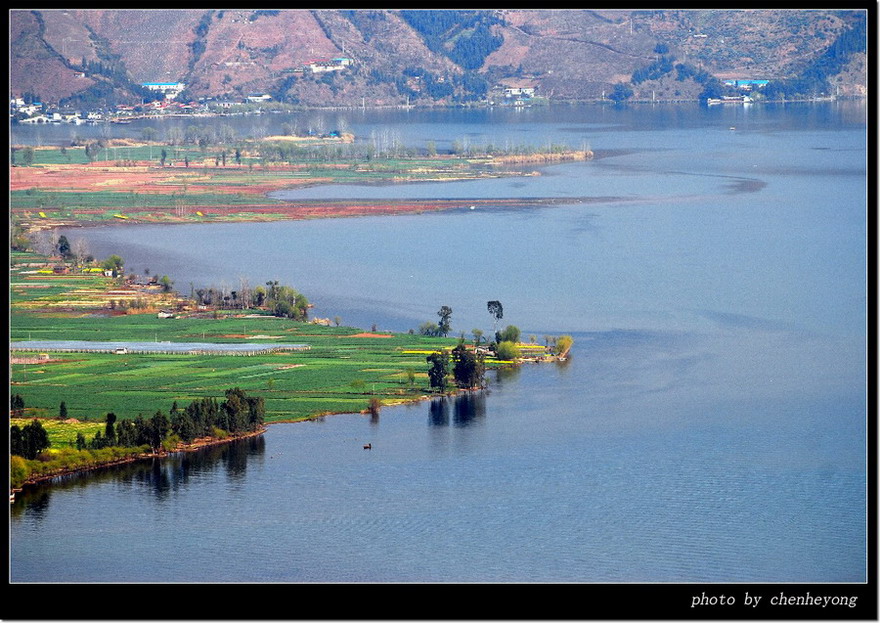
point(90, 57)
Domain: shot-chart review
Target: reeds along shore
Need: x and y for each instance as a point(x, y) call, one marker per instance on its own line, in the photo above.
point(543, 158)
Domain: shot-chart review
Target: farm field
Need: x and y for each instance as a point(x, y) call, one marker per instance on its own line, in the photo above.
point(62, 433)
point(342, 370)
point(340, 373)
point(125, 183)
point(134, 183)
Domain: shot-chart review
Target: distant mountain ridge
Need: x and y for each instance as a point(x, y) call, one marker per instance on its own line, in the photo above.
point(85, 57)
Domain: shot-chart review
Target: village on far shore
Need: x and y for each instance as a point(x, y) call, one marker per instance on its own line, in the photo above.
point(516, 92)
point(508, 92)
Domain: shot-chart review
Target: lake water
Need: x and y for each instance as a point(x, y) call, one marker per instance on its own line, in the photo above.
point(710, 425)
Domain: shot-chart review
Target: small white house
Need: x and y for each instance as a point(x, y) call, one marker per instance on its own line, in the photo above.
point(518, 91)
point(169, 89)
point(333, 64)
point(165, 313)
point(31, 109)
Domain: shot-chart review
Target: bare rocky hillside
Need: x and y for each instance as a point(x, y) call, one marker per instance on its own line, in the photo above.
point(80, 55)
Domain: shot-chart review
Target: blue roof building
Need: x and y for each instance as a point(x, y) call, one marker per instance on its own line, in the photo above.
point(746, 84)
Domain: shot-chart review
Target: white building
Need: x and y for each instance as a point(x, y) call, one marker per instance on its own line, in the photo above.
point(519, 91)
point(31, 109)
point(169, 89)
point(333, 64)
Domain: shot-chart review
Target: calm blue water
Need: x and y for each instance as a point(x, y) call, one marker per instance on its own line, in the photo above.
point(709, 427)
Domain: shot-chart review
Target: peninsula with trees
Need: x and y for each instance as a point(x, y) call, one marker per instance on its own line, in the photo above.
point(60, 291)
point(185, 371)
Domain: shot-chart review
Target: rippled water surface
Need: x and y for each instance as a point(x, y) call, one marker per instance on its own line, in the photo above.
point(709, 426)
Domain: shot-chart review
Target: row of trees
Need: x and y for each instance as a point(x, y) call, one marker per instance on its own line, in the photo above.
point(205, 417)
point(283, 301)
point(129, 438)
point(49, 243)
point(467, 366)
point(389, 145)
point(442, 329)
point(379, 145)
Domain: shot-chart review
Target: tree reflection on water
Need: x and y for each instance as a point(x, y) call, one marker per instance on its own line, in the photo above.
point(462, 410)
point(161, 476)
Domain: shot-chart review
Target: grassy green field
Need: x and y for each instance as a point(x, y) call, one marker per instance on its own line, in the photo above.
point(146, 152)
point(62, 434)
point(314, 155)
point(341, 371)
point(36, 288)
point(62, 202)
point(344, 369)
point(339, 374)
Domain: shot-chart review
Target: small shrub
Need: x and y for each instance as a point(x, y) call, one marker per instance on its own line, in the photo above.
point(219, 433)
point(19, 470)
point(507, 351)
point(563, 344)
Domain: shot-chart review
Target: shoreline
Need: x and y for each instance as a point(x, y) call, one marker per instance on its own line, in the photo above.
point(313, 209)
point(198, 444)
point(305, 210)
point(258, 201)
point(205, 442)
point(487, 105)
